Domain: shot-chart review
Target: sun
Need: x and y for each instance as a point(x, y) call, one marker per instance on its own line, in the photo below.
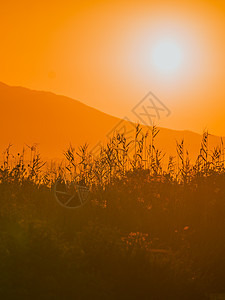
point(167, 56)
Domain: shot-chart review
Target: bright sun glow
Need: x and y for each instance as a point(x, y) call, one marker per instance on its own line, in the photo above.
point(167, 56)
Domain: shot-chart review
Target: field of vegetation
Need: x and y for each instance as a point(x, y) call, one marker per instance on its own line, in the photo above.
point(150, 230)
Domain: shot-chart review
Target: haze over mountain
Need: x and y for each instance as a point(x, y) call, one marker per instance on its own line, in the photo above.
point(53, 122)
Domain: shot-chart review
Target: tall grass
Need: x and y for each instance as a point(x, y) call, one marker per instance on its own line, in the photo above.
point(153, 229)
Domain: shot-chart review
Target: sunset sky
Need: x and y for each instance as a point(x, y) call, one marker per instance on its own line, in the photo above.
point(110, 54)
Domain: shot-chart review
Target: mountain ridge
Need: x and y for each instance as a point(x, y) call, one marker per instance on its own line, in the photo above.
point(54, 121)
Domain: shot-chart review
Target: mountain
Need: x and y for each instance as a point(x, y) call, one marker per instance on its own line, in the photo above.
point(53, 122)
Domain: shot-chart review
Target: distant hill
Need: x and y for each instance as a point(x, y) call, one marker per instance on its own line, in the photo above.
point(53, 122)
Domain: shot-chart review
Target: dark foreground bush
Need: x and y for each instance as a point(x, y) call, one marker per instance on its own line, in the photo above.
point(145, 233)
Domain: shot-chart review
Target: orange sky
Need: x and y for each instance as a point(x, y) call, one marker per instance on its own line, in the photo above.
point(99, 52)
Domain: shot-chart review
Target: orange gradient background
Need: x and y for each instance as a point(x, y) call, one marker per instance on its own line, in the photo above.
point(99, 52)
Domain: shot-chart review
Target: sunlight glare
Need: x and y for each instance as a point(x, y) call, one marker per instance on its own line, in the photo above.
point(167, 56)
